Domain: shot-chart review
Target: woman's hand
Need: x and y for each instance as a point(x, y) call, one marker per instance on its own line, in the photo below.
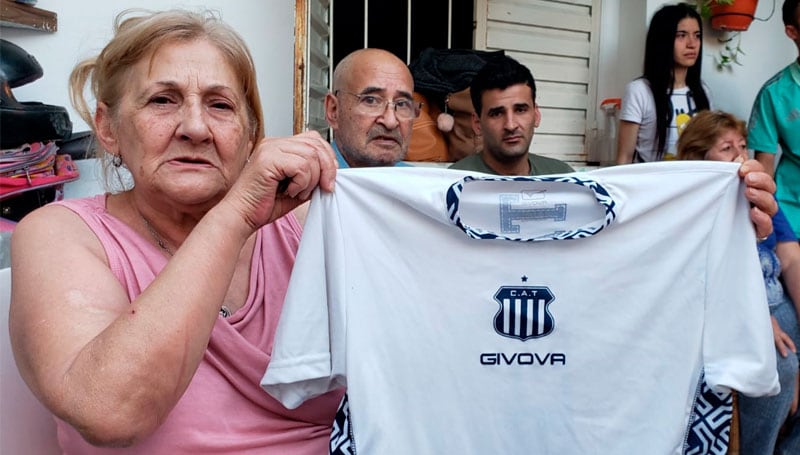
point(760, 190)
point(281, 174)
point(783, 342)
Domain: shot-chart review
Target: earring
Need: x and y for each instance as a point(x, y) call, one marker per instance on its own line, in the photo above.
point(116, 161)
point(445, 120)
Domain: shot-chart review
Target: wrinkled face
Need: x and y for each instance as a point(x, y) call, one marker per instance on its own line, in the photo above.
point(688, 42)
point(507, 121)
point(181, 127)
point(372, 139)
point(729, 146)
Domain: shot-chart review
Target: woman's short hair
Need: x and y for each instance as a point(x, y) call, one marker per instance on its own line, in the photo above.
point(703, 131)
point(139, 33)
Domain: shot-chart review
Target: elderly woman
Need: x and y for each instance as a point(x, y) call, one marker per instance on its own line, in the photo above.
point(145, 318)
point(719, 136)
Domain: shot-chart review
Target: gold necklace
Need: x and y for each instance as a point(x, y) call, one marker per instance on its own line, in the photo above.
point(224, 311)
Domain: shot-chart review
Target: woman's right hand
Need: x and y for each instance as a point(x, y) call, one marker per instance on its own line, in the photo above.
point(281, 174)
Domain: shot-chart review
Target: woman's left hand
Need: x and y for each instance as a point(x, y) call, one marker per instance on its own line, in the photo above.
point(760, 190)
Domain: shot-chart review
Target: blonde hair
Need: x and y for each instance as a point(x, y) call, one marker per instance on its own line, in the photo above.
point(703, 131)
point(138, 33)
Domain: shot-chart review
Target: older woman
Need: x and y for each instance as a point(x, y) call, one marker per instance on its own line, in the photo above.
point(145, 318)
point(719, 136)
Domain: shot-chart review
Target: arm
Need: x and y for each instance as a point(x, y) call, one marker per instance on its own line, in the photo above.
point(113, 368)
point(768, 161)
point(626, 145)
point(110, 367)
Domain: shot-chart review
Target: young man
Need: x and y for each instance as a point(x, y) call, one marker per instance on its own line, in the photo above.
point(775, 119)
point(371, 109)
point(504, 97)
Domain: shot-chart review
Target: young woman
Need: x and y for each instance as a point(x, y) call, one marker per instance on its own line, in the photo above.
point(657, 105)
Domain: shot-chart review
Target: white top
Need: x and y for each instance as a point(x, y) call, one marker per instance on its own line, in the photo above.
point(639, 107)
point(452, 337)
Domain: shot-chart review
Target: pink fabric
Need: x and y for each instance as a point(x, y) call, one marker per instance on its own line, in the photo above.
point(224, 410)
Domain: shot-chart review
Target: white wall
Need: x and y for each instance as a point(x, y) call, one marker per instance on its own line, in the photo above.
point(622, 38)
point(768, 51)
point(622, 31)
point(84, 26)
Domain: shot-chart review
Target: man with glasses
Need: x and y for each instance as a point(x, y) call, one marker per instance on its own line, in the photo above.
point(504, 97)
point(371, 109)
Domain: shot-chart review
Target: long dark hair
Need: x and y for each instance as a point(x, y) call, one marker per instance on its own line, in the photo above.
point(659, 66)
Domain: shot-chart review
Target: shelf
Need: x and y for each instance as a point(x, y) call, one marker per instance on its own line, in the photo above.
point(13, 14)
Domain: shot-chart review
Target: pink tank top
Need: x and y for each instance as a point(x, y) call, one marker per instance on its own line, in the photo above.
point(224, 409)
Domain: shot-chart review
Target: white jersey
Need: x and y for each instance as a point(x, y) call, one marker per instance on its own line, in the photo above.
point(476, 314)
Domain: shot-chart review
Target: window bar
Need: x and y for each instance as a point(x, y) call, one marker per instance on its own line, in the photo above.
point(366, 23)
point(331, 6)
point(408, 32)
point(449, 23)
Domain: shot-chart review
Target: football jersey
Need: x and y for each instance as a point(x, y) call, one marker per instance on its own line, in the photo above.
point(576, 313)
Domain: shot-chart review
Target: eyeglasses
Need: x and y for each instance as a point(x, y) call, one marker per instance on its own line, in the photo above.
point(375, 105)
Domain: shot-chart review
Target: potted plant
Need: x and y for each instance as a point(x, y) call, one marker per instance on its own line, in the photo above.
point(731, 17)
point(728, 15)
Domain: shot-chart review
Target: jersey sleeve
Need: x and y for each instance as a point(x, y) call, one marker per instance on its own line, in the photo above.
point(762, 134)
point(738, 348)
point(310, 332)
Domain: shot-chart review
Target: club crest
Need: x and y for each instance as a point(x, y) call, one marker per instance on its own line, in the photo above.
point(523, 312)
